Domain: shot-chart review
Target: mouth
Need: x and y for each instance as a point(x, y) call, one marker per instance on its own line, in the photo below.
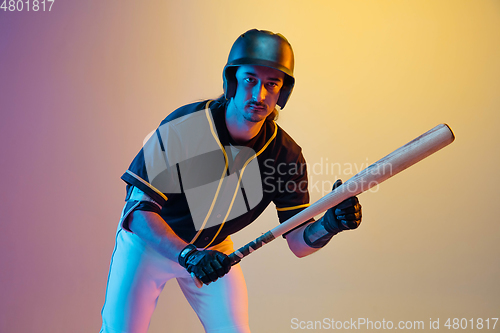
point(257, 108)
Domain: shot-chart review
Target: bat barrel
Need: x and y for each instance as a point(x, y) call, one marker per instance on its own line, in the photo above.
point(388, 166)
point(400, 159)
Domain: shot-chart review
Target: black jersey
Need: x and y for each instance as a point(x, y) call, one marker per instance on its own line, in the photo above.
point(206, 193)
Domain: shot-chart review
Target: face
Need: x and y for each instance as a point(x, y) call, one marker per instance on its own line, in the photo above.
point(257, 91)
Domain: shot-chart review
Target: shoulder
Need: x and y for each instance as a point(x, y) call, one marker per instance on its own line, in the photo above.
point(185, 111)
point(286, 145)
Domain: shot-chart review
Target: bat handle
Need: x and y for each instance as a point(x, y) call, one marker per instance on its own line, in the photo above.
point(242, 252)
point(234, 260)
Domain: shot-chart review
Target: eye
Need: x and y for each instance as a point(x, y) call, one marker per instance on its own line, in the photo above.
point(272, 85)
point(249, 79)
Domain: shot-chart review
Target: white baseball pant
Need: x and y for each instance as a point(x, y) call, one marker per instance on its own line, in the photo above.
point(138, 274)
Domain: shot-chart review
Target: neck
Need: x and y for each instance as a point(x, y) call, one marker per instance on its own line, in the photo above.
point(240, 129)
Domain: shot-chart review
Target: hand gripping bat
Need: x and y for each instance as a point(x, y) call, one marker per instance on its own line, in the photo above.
point(388, 166)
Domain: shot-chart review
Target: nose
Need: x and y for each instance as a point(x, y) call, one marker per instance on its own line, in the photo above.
point(259, 92)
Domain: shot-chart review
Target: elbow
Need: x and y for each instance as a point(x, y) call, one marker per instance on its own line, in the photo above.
point(300, 250)
point(297, 244)
point(301, 254)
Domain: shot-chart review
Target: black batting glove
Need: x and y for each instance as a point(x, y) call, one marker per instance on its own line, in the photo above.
point(344, 216)
point(207, 265)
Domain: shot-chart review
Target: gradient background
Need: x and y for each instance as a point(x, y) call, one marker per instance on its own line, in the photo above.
point(82, 85)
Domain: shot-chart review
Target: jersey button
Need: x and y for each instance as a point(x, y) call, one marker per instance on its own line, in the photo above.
point(206, 238)
point(218, 216)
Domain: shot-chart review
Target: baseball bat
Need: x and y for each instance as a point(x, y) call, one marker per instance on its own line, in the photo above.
point(388, 166)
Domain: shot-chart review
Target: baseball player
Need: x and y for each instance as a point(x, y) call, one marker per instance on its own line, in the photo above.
point(209, 170)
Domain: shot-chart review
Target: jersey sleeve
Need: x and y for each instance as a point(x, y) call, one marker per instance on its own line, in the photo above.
point(151, 172)
point(293, 194)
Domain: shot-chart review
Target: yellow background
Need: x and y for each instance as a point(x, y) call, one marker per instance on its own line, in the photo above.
point(82, 85)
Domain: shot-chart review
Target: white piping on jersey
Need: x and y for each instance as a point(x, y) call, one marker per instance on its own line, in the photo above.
point(207, 110)
point(147, 184)
point(239, 180)
point(292, 208)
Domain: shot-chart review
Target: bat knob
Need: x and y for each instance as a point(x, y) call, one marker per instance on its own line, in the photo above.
point(197, 281)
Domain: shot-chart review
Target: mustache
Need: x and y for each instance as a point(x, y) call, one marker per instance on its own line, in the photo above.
point(256, 104)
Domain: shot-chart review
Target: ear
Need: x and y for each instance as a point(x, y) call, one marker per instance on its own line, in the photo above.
point(230, 82)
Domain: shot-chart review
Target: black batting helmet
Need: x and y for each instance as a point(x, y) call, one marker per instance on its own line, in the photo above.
point(262, 48)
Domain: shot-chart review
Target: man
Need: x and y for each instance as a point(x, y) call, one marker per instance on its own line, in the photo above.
point(209, 170)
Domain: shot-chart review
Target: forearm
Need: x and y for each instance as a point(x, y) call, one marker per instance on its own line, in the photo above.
point(153, 230)
point(297, 244)
point(313, 236)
